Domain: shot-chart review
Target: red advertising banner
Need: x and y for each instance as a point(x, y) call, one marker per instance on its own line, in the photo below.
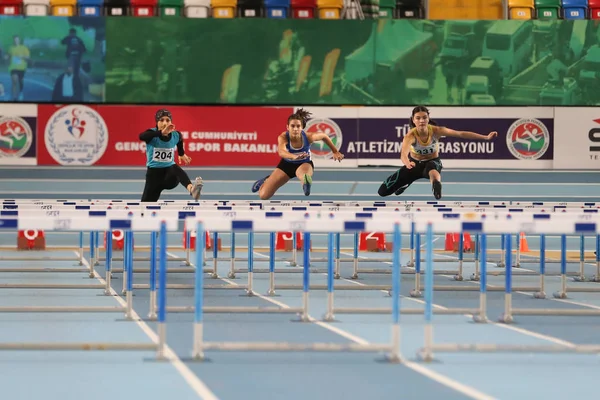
point(81, 135)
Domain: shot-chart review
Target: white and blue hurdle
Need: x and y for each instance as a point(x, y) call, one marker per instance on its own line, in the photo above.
point(226, 214)
point(309, 223)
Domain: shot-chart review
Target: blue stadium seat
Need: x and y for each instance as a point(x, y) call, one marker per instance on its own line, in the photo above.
point(277, 8)
point(90, 8)
point(574, 9)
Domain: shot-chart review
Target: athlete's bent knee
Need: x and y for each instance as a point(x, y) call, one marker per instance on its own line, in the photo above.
point(383, 191)
point(264, 196)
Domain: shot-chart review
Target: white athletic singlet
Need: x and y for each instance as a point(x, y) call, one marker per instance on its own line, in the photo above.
point(427, 147)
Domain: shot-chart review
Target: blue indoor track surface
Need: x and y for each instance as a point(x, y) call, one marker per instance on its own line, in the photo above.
point(136, 374)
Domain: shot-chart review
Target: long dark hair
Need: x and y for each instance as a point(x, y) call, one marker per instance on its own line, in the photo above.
point(301, 115)
point(416, 110)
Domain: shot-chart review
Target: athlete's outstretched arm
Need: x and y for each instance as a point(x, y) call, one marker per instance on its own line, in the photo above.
point(315, 137)
point(443, 131)
point(150, 134)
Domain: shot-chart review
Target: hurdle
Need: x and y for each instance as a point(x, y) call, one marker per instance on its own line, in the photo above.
point(80, 224)
point(200, 346)
point(426, 353)
point(354, 259)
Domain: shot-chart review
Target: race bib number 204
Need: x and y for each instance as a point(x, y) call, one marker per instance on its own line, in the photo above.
point(163, 155)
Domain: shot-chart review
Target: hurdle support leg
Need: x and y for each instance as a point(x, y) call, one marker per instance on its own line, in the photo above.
point(476, 276)
point(81, 251)
point(416, 292)
point(411, 262)
point(249, 288)
point(294, 262)
point(482, 316)
point(562, 293)
point(542, 293)
point(305, 278)
point(92, 254)
point(518, 248)
point(271, 291)
point(330, 276)
point(427, 353)
point(198, 348)
point(231, 274)
point(215, 246)
point(108, 268)
point(355, 257)
point(507, 316)
point(125, 274)
point(187, 248)
point(162, 291)
point(97, 244)
point(338, 249)
point(502, 261)
point(461, 257)
point(581, 276)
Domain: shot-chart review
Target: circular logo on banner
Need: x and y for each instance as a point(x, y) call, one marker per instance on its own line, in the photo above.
point(76, 135)
point(528, 139)
point(15, 137)
point(320, 149)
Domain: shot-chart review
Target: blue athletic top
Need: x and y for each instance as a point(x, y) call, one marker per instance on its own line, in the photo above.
point(159, 153)
point(304, 149)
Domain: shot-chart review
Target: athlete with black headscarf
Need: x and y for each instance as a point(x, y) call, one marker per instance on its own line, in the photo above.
point(163, 173)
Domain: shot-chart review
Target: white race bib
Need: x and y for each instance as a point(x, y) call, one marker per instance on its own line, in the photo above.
point(163, 155)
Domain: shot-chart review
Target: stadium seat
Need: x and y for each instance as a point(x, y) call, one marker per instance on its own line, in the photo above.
point(90, 8)
point(11, 7)
point(277, 8)
point(594, 6)
point(410, 9)
point(63, 8)
point(36, 8)
point(387, 8)
point(547, 9)
point(170, 8)
point(250, 8)
point(574, 9)
point(196, 8)
point(330, 9)
point(223, 8)
point(143, 8)
point(116, 8)
point(465, 9)
point(520, 9)
point(303, 9)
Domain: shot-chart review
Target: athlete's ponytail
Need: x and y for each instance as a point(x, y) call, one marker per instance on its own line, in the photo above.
point(301, 115)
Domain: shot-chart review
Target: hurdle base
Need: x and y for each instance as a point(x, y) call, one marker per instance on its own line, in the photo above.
point(506, 319)
point(77, 346)
point(292, 347)
point(426, 357)
point(390, 359)
point(480, 319)
point(510, 348)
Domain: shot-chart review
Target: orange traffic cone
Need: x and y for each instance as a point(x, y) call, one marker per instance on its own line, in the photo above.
point(523, 243)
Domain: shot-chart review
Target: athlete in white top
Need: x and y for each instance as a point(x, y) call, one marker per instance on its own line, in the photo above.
point(420, 154)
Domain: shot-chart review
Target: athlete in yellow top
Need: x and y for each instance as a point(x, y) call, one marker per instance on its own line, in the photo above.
point(19, 56)
point(420, 154)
